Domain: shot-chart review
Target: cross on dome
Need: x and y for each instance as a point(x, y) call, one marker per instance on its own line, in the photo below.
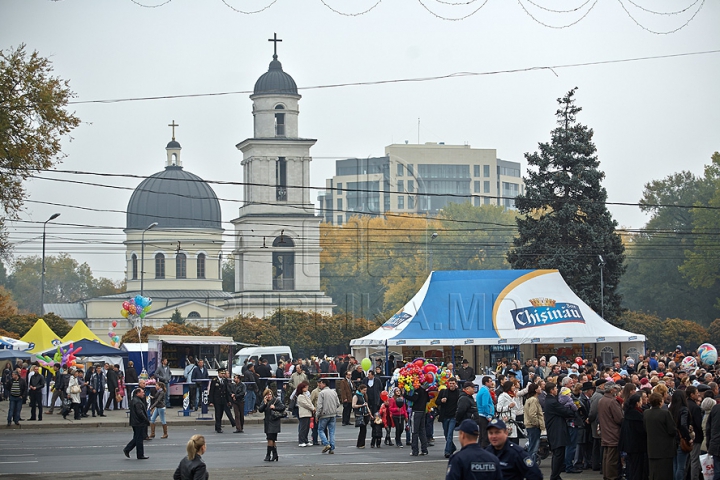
point(173, 125)
point(275, 41)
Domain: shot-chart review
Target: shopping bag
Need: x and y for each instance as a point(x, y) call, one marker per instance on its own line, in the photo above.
point(708, 466)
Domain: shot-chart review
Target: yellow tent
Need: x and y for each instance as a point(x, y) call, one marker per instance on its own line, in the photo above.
point(80, 331)
point(40, 337)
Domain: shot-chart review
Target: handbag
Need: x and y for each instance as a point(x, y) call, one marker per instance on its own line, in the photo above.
point(275, 415)
point(75, 389)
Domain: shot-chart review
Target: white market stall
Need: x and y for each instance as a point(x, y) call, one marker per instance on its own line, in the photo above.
point(481, 313)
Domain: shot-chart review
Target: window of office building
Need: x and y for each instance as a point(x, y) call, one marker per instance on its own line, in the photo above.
point(401, 202)
point(400, 186)
point(486, 171)
point(339, 203)
point(486, 186)
point(476, 201)
point(510, 171)
point(339, 219)
point(410, 169)
point(411, 202)
point(339, 188)
point(476, 186)
point(411, 186)
point(487, 200)
point(400, 170)
point(476, 170)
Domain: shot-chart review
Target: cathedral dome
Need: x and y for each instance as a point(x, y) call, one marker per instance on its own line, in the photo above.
point(275, 81)
point(175, 199)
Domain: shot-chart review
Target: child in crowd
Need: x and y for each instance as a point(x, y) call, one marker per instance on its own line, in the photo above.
point(377, 431)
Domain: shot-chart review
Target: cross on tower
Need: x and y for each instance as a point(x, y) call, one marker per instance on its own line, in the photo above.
point(173, 125)
point(274, 40)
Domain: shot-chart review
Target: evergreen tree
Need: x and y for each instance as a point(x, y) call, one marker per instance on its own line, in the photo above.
point(565, 224)
point(177, 318)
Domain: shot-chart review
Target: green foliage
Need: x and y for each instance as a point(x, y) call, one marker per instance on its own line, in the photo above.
point(665, 334)
point(250, 329)
point(65, 281)
point(652, 282)
point(8, 307)
point(565, 223)
point(58, 324)
point(701, 266)
point(714, 332)
point(32, 121)
point(21, 324)
point(177, 318)
point(228, 274)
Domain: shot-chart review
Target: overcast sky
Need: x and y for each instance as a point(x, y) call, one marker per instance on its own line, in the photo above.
point(651, 118)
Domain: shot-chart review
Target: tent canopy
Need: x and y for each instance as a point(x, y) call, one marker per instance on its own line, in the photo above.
point(10, 354)
point(41, 337)
point(491, 307)
point(7, 343)
point(80, 331)
point(90, 349)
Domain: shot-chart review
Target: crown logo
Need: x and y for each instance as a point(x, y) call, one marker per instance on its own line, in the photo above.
point(542, 302)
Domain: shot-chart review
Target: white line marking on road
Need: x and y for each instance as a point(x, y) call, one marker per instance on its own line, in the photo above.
point(26, 461)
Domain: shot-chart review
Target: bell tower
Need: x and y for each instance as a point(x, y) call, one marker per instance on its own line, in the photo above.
point(277, 250)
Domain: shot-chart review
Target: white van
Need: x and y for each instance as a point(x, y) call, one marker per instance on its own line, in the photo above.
point(253, 354)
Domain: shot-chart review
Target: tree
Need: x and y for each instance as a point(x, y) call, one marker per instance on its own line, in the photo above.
point(33, 119)
point(131, 336)
point(58, 324)
point(306, 333)
point(228, 274)
point(177, 318)
point(65, 281)
point(714, 332)
point(566, 224)
point(644, 324)
point(21, 324)
point(701, 264)
point(250, 329)
point(8, 307)
point(682, 332)
point(5, 333)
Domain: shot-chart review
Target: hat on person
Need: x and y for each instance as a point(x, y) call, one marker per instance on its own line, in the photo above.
point(512, 373)
point(465, 361)
point(630, 362)
point(679, 347)
point(221, 370)
point(600, 381)
point(644, 381)
point(497, 423)
point(468, 384)
point(468, 426)
point(703, 387)
point(707, 404)
point(623, 373)
point(587, 386)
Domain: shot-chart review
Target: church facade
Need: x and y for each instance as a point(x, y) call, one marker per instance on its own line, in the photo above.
point(174, 235)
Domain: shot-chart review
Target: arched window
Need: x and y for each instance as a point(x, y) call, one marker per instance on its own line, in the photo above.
point(159, 265)
point(193, 315)
point(180, 266)
point(201, 265)
point(283, 264)
point(634, 353)
point(174, 159)
point(606, 355)
point(133, 260)
point(279, 122)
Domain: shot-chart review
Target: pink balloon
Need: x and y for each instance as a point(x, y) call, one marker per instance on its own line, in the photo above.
point(114, 324)
point(111, 334)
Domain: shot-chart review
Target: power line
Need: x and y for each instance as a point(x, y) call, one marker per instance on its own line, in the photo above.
point(657, 32)
point(556, 26)
point(403, 80)
point(351, 14)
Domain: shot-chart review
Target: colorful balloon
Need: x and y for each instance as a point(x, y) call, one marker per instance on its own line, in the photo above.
point(366, 364)
point(384, 396)
point(114, 323)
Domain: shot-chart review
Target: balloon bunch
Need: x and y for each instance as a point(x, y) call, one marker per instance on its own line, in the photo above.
point(114, 338)
point(64, 356)
point(136, 307)
point(416, 374)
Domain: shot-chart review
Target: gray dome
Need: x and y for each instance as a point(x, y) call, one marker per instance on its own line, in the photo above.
point(175, 199)
point(275, 81)
point(173, 144)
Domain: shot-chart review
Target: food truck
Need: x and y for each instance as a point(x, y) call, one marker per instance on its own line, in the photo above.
point(215, 351)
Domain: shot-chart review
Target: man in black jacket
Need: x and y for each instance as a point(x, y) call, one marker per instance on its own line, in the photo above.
point(375, 388)
point(420, 400)
point(237, 395)
point(466, 372)
point(111, 377)
point(220, 399)
point(447, 400)
point(695, 418)
point(557, 433)
point(200, 376)
point(35, 388)
point(139, 422)
point(16, 392)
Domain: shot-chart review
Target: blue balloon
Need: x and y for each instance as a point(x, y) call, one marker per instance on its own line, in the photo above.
point(138, 300)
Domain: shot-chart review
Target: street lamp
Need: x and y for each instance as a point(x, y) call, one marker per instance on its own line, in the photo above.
point(432, 237)
point(602, 286)
point(42, 274)
point(142, 257)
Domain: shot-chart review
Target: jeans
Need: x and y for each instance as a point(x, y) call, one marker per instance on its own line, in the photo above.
point(14, 409)
point(159, 412)
point(694, 463)
point(679, 464)
point(249, 402)
point(448, 430)
point(533, 437)
point(570, 449)
point(418, 433)
point(329, 423)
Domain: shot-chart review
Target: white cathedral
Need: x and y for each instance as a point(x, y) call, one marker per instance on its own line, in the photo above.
point(174, 230)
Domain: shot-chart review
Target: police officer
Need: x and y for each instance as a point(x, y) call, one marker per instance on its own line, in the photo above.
point(515, 462)
point(472, 462)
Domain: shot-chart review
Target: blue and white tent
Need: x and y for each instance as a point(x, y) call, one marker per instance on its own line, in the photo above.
point(7, 343)
point(491, 307)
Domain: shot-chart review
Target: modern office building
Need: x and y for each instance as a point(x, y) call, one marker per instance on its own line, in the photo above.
point(419, 179)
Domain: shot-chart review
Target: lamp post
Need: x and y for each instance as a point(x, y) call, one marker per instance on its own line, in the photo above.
point(602, 286)
point(142, 257)
point(42, 274)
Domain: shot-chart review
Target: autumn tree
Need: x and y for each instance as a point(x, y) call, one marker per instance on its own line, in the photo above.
point(131, 336)
point(21, 324)
point(250, 329)
point(5, 333)
point(714, 332)
point(33, 120)
point(565, 222)
point(8, 307)
point(687, 333)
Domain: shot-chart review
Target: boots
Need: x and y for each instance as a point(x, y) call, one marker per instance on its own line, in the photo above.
point(275, 455)
point(152, 430)
point(165, 435)
point(267, 457)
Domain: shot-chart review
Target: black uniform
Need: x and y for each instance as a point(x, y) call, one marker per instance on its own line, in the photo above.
point(220, 398)
point(472, 462)
point(516, 463)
